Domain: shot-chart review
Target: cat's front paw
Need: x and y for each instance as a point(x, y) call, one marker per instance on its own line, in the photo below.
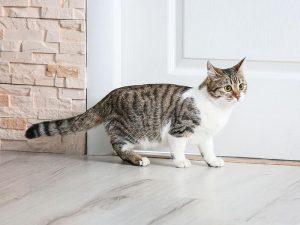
point(215, 162)
point(182, 163)
point(144, 162)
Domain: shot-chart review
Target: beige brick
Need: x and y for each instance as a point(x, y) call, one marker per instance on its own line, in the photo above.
point(12, 23)
point(74, 143)
point(52, 103)
point(4, 67)
point(23, 35)
point(71, 24)
point(57, 13)
point(28, 12)
point(21, 57)
point(65, 114)
point(49, 114)
point(62, 71)
point(5, 112)
point(79, 105)
point(75, 83)
point(23, 112)
point(59, 82)
point(46, 144)
point(79, 4)
point(43, 24)
point(71, 36)
point(65, 3)
point(14, 145)
point(44, 91)
point(33, 121)
point(39, 46)
point(2, 13)
point(82, 71)
point(4, 100)
point(45, 81)
point(1, 34)
point(67, 71)
point(14, 90)
point(42, 144)
point(18, 3)
point(51, 70)
point(11, 46)
point(5, 78)
point(13, 123)
point(46, 3)
point(71, 93)
point(79, 14)
point(43, 58)
point(72, 47)
point(22, 79)
point(12, 134)
point(52, 36)
point(30, 70)
point(21, 101)
point(70, 58)
point(83, 27)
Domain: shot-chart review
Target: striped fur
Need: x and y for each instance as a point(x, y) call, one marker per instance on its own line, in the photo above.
point(135, 115)
point(75, 124)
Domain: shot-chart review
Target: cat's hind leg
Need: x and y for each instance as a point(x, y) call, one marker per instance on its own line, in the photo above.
point(130, 156)
point(177, 147)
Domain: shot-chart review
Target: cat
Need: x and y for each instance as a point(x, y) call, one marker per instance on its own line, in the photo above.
point(140, 116)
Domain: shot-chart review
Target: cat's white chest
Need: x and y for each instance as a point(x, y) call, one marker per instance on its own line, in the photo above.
point(213, 117)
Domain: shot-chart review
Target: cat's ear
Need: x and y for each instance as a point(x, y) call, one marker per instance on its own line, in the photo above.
point(239, 67)
point(212, 71)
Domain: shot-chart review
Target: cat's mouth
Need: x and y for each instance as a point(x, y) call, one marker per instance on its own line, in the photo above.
point(233, 100)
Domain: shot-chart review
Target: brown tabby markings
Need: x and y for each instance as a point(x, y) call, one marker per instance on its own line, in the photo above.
point(140, 112)
point(132, 114)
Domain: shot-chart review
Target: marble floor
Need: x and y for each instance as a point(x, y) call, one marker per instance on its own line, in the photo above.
point(49, 189)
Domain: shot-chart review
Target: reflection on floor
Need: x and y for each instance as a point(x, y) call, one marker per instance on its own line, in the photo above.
point(49, 189)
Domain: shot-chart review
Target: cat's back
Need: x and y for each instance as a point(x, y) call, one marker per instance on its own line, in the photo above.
point(149, 90)
point(147, 97)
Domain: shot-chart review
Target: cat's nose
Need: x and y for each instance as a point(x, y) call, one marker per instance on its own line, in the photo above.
point(236, 95)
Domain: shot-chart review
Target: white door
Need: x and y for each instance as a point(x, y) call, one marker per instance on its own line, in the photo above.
point(169, 41)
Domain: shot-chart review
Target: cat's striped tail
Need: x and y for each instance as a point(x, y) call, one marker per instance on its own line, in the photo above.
point(74, 124)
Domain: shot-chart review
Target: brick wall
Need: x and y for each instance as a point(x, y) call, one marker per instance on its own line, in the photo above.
point(42, 70)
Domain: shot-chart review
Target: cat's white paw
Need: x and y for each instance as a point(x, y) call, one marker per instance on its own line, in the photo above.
point(215, 162)
point(145, 161)
point(183, 163)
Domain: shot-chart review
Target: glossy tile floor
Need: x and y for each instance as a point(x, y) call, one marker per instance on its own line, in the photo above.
point(49, 189)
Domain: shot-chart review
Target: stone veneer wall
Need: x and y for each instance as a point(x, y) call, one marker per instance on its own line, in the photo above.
point(42, 71)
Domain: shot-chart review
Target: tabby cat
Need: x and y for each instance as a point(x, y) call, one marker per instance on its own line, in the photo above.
point(141, 116)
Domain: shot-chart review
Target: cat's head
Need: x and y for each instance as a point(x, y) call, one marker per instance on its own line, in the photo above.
point(228, 85)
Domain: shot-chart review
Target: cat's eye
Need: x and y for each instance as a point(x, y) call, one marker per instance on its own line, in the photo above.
point(228, 88)
point(241, 86)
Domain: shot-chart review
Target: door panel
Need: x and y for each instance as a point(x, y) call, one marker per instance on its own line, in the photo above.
point(154, 41)
point(260, 30)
